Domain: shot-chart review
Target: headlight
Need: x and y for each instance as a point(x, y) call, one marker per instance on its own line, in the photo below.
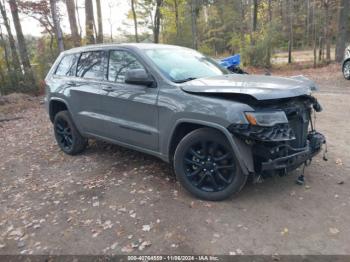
point(266, 118)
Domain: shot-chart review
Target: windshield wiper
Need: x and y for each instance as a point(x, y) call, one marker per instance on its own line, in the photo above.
point(185, 80)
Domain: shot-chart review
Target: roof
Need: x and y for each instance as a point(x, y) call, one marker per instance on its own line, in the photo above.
point(111, 46)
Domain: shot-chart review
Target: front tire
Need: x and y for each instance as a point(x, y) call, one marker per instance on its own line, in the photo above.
point(346, 70)
point(67, 136)
point(206, 166)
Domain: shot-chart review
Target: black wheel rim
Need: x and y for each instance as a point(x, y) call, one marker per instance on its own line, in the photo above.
point(209, 166)
point(63, 134)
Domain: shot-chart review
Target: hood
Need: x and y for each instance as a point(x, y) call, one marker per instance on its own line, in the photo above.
point(259, 87)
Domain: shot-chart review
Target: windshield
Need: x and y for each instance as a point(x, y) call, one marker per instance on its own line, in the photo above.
point(180, 65)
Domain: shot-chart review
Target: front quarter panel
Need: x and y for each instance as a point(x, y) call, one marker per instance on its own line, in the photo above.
point(177, 106)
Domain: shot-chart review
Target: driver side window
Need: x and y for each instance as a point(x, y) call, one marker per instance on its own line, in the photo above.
point(119, 63)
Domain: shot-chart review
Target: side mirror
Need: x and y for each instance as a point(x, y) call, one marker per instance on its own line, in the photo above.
point(138, 77)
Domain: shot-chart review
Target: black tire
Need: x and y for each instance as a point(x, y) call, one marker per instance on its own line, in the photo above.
point(67, 136)
point(346, 70)
point(209, 181)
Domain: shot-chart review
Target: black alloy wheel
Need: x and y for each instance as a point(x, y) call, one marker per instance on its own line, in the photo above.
point(346, 70)
point(206, 166)
point(67, 136)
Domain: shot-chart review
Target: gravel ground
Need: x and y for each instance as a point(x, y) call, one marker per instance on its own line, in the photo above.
point(111, 200)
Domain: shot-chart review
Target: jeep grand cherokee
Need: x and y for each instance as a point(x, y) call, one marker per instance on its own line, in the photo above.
point(213, 127)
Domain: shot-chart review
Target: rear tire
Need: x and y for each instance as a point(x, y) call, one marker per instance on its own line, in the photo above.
point(206, 165)
point(346, 70)
point(67, 136)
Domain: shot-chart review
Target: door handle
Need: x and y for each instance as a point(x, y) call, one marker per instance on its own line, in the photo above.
point(72, 83)
point(107, 88)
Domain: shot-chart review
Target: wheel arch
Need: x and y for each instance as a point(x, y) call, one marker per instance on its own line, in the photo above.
point(343, 64)
point(185, 126)
point(56, 105)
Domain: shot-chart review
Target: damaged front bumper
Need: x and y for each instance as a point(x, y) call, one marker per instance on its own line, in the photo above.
point(274, 149)
point(294, 157)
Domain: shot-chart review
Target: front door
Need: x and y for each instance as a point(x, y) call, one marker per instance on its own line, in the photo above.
point(130, 111)
point(85, 92)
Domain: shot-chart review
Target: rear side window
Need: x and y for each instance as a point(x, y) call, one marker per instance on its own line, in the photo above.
point(119, 63)
point(67, 66)
point(91, 65)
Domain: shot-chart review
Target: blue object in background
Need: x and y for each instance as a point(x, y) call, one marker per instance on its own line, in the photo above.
point(231, 61)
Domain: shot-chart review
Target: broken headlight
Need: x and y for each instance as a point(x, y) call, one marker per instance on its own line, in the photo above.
point(266, 118)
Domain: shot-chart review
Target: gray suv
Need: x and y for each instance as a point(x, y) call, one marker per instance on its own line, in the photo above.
point(214, 128)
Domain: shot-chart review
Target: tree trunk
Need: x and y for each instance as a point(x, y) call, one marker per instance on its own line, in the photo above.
point(194, 24)
point(73, 22)
point(15, 59)
point(22, 47)
point(320, 50)
point(290, 37)
point(308, 24)
point(255, 15)
point(12, 75)
point(78, 19)
point(6, 56)
point(254, 23)
point(268, 51)
point(56, 25)
point(99, 22)
point(157, 18)
point(327, 34)
point(110, 5)
point(177, 22)
point(89, 22)
point(343, 30)
point(135, 20)
point(314, 33)
point(241, 27)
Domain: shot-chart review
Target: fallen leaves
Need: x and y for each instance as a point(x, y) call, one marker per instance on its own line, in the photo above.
point(285, 231)
point(338, 162)
point(146, 228)
point(334, 230)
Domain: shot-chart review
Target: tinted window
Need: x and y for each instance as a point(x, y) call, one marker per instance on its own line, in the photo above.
point(67, 65)
point(90, 65)
point(119, 63)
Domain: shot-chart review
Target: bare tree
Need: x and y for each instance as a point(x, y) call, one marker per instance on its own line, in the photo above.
point(89, 22)
point(99, 22)
point(194, 13)
point(13, 78)
point(157, 18)
point(78, 18)
point(110, 6)
point(56, 24)
point(177, 20)
point(255, 15)
point(15, 58)
point(73, 22)
point(22, 46)
point(314, 32)
point(6, 55)
point(135, 20)
point(343, 29)
point(290, 35)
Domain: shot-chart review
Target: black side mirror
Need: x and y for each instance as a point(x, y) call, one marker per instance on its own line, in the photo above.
point(138, 77)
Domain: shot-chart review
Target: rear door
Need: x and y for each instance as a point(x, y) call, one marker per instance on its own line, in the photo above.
point(130, 110)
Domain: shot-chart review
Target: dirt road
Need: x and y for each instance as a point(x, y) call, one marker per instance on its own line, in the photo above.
point(112, 200)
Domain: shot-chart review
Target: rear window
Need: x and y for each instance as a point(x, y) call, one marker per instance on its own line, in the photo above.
point(67, 66)
point(91, 65)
